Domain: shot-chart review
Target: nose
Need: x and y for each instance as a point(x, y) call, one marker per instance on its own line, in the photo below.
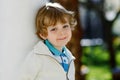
point(61, 32)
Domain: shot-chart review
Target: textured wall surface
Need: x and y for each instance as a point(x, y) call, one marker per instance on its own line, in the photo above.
point(17, 33)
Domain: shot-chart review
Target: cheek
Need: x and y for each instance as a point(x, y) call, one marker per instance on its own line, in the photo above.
point(70, 33)
point(51, 36)
point(70, 36)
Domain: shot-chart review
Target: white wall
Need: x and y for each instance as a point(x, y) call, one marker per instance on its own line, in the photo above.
point(17, 33)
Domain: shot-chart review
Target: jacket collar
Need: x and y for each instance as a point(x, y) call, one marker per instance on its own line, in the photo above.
point(53, 49)
point(41, 48)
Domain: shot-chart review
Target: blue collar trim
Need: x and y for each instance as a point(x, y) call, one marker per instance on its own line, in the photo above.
point(53, 49)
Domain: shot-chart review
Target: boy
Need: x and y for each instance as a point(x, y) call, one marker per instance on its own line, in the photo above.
point(50, 59)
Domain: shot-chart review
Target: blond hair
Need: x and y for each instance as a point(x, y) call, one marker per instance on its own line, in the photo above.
point(50, 15)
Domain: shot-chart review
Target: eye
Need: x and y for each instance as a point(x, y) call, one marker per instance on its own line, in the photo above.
point(66, 26)
point(53, 29)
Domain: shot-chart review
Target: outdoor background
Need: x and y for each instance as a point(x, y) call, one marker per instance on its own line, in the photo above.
point(95, 42)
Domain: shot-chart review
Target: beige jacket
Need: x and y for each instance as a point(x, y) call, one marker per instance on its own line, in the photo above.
point(40, 64)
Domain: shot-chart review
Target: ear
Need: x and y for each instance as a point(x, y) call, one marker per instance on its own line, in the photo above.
point(42, 36)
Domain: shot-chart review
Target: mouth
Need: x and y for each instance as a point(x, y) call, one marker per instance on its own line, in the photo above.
point(62, 38)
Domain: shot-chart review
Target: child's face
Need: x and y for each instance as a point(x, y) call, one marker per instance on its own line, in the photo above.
point(59, 35)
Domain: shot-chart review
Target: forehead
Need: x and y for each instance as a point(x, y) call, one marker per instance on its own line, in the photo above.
point(53, 20)
point(58, 24)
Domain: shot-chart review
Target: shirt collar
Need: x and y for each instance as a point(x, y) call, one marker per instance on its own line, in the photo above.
point(53, 49)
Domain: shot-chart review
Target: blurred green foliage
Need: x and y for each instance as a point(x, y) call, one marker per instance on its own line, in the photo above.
point(95, 55)
point(99, 73)
point(116, 45)
point(118, 58)
point(96, 59)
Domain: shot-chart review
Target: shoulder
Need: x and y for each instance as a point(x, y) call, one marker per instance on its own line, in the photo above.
point(32, 60)
point(41, 48)
point(37, 55)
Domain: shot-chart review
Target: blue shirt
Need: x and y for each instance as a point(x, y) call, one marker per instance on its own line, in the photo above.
point(62, 57)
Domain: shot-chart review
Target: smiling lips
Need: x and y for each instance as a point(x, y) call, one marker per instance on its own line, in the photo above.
point(63, 38)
